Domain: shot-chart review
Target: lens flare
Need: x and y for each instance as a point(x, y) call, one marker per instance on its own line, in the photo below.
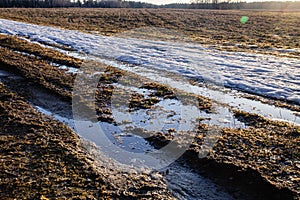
point(244, 19)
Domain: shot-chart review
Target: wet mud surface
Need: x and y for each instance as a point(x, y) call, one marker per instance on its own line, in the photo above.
point(43, 158)
point(255, 154)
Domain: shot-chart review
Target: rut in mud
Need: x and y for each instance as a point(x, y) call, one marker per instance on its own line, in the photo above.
point(250, 144)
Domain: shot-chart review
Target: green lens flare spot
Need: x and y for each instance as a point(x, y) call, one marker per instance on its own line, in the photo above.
point(244, 19)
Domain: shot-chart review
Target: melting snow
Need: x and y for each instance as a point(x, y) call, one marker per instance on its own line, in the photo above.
point(259, 74)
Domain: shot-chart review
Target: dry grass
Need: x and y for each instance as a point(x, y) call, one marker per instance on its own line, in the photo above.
point(47, 54)
point(37, 71)
point(41, 157)
point(271, 148)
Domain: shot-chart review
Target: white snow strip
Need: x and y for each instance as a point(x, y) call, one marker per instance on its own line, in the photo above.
point(259, 74)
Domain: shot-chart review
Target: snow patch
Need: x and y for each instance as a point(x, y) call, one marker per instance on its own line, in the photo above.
point(259, 74)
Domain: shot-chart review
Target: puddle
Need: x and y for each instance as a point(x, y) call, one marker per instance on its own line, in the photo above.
point(4, 74)
point(67, 69)
point(187, 184)
point(230, 97)
point(67, 121)
point(166, 115)
point(182, 181)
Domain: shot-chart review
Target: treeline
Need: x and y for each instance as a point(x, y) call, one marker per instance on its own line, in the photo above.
point(195, 4)
point(37, 3)
point(74, 3)
point(270, 5)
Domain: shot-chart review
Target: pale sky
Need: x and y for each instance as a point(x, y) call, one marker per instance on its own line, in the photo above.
point(160, 2)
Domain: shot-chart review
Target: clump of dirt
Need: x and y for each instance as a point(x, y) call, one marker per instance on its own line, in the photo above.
point(166, 92)
point(160, 90)
point(138, 101)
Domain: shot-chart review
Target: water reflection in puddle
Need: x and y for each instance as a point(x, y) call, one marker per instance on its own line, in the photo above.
point(187, 184)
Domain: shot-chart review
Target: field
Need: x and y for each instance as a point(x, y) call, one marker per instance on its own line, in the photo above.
point(225, 93)
point(263, 31)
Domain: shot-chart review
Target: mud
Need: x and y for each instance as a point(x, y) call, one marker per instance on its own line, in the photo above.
point(43, 158)
point(256, 154)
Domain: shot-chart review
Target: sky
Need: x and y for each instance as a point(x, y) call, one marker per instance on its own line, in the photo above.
point(160, 2)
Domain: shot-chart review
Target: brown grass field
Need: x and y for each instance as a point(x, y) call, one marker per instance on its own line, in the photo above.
point(262, 159)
